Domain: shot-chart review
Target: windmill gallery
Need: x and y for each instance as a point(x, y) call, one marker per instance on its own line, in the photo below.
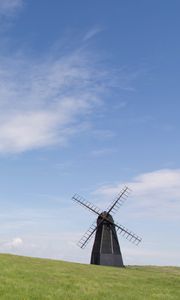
point(106, 249)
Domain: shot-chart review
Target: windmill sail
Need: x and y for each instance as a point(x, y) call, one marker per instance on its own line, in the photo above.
point(87, 236)
point(86, 204)
point(116, 204)
point(129, 235)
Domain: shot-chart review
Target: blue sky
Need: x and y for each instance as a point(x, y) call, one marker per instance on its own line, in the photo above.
point(89, 102)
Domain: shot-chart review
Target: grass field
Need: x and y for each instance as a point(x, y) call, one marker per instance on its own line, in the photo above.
point(31, 278)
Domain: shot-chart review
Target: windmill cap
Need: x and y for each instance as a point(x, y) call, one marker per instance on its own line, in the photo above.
point(105, 214)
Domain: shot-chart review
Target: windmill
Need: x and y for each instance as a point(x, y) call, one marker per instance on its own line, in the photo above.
point(106, 250)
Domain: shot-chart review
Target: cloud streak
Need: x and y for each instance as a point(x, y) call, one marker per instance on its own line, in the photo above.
point(92, 33)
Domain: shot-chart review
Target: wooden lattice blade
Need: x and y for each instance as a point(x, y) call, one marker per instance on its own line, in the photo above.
point(80, 200)
point(87, 236)
point(115, 205)
point(129, 235)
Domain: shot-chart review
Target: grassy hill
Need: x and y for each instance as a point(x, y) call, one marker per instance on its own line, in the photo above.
point(24, 278)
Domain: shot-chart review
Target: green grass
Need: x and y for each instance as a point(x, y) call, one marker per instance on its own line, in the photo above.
point(31, 278)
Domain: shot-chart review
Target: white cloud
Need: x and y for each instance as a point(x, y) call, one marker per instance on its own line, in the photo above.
point(15, 243)
point(10, 6)
point(155, 194)
point(43, 103)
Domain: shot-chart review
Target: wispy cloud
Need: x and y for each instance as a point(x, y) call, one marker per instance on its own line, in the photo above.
point(91, 33)
point(156, 194)
point(103, 151)
point(43, 102)
point(8, 7)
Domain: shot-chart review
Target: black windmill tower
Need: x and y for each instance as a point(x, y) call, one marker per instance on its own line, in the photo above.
point(106, 250)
